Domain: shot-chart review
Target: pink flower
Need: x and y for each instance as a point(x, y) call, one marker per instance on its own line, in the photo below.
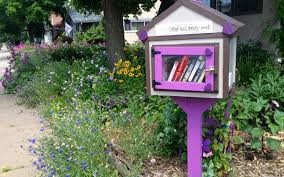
point(209, 154)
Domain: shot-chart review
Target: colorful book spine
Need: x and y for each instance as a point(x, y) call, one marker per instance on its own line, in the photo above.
point(201, 78)
point(192, 74)
point(181, 66)
point(184, 71)
point(189, 70)
point(173, 71)
point(199, 71)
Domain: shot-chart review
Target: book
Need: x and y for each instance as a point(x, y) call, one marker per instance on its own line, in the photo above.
point(173, 71)
point(181, 66)
point(199, 71)
point(201, 78)
point(196, 66)
point(184, 71)
point(189, 69)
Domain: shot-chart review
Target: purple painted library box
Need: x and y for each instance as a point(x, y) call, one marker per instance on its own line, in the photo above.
point(184, 68)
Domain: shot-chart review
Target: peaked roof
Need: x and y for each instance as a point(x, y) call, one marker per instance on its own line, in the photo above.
point(197, 7)
point(84, 18)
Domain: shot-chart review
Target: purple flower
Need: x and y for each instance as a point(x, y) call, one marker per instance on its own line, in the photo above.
point(206, 146)
point(41, 129)
point(32, 140)
point(210, 123)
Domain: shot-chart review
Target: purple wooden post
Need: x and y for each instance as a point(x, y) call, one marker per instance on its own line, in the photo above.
point(194, 108)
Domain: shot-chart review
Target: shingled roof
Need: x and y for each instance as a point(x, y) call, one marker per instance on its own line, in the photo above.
point(84, 18)
point(199, 8)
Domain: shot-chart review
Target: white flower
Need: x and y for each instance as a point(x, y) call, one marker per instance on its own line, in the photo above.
point(102, 69)
point(275, 103)
point(279, 60)
point(153, 161)
point(48, 81)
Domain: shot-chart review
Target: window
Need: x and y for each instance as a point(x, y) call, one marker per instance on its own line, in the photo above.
point(137, 25)
point(236, 7)
point(249, 7)
point(134, 25)
point(127, 25)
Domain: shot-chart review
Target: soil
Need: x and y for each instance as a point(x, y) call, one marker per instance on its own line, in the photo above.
point(246, 163)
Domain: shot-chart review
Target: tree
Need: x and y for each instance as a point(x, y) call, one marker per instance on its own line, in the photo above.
point(20, 16)
point(165, 4)
point(114, 11)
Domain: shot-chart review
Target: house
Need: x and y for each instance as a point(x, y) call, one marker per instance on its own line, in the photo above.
point(255, 14)
point(77, 22)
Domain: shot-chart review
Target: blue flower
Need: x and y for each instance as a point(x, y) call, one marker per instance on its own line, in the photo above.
point(68, 168)
point(67, 175)
point(95, 174)
point(52, 156)
point(84, 165)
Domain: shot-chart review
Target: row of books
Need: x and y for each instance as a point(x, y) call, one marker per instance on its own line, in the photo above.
point(188, 70)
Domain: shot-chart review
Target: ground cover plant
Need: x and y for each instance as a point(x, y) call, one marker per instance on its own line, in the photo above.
point(103, 123)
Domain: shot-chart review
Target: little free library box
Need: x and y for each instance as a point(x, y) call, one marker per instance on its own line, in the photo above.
point(190, 51)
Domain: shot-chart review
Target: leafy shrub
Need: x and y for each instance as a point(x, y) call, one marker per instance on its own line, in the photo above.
point(45, 84)
point(21, 69)
point(95, 34)
point(259, 109)
point(251, 61)
point(70, 53)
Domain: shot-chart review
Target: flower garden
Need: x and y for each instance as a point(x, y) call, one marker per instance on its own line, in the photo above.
point(102, 123)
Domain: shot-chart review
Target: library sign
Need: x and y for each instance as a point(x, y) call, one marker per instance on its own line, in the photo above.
point(191, 56)
point(185, 28)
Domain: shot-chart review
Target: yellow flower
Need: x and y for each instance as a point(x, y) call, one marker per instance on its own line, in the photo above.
point(111, 73)
point(119, 72)
point(120, 81)
point(138, 67)
point(130, 74)
point(125, 72)
point(140, 74)
point(127, 64)
point(132, 69)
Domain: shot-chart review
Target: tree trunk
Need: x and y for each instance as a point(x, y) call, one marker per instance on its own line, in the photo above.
point(31, 34)
point(113, 23)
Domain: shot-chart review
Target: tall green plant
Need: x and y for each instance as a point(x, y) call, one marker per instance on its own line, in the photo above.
point(259, 109)
point(252, 60)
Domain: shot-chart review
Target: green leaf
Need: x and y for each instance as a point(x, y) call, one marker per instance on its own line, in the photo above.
point(183, 156)
point(257, 133)
point(274, 128)
point(238, 140)
point(259, 104)
point(279, 118)
point(273, 143)
point(255, 144)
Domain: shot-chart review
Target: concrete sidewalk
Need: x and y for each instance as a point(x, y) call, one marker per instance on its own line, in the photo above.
point(17, 125)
